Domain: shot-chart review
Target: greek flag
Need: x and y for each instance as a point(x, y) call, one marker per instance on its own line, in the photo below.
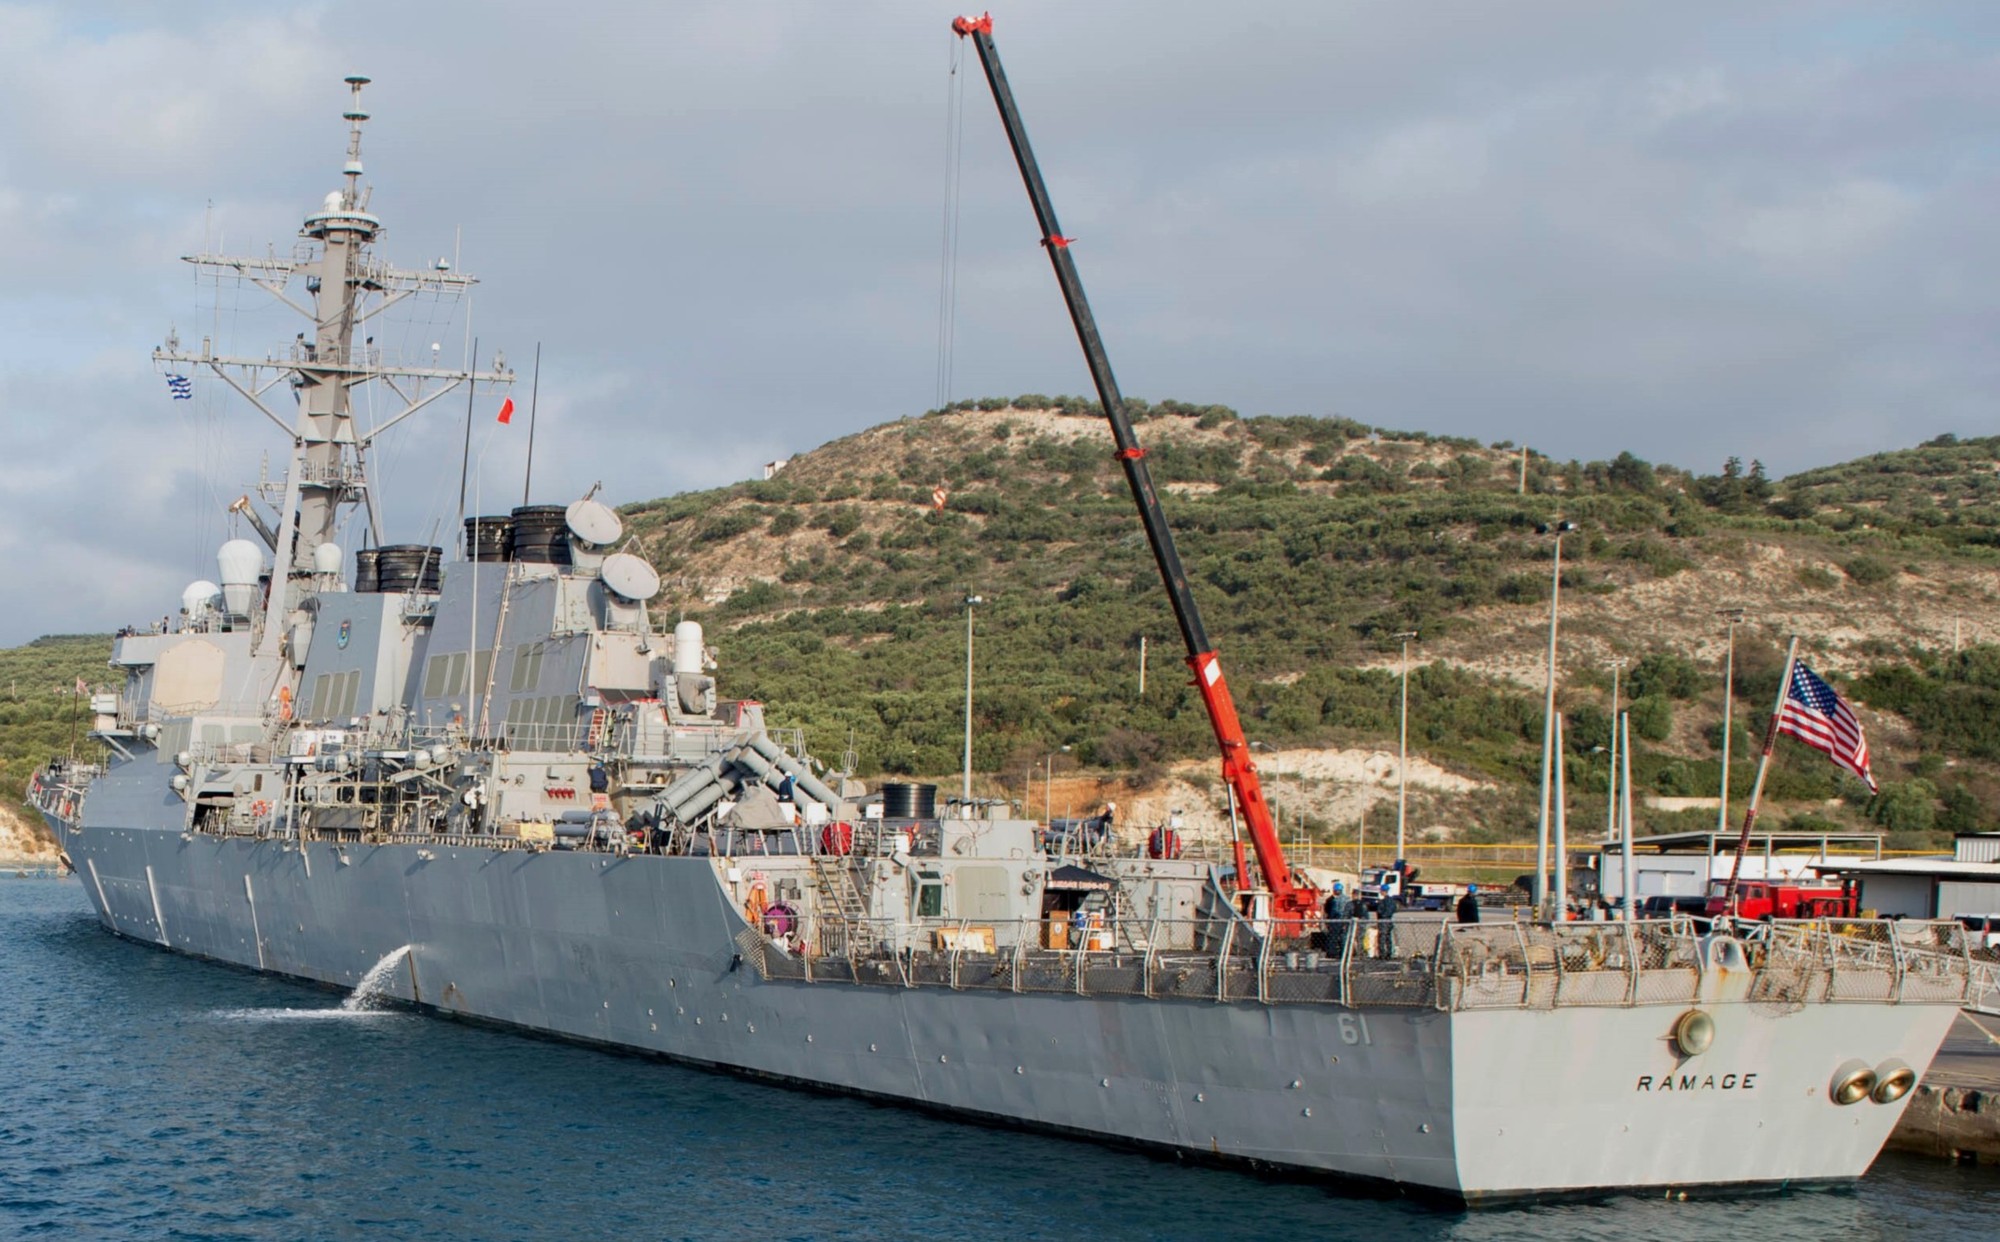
point(181, 386)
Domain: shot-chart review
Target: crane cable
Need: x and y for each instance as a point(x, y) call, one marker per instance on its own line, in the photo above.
point(954, 164)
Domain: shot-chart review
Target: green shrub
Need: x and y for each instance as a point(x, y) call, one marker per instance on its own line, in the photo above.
point(1869, 571)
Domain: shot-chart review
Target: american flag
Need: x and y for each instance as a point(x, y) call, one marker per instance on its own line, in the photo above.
point(181, 386)
point(1821, 719)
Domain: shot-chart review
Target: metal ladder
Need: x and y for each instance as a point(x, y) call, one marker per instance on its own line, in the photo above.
point(835, 893)
point(1129, 927)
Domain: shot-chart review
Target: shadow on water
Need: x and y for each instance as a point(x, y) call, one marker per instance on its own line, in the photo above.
point(154, 1095)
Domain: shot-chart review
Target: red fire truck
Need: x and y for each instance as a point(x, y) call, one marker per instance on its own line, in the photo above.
point(1778, 899)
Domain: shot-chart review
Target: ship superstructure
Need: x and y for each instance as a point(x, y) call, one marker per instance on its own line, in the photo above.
point(493, 780)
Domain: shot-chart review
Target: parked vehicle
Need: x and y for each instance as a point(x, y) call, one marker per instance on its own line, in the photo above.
point(1380, 882)
point(1760, 899)
point(1664, 907)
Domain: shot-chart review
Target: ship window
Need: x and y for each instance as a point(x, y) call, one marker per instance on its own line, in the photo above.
point(434, 675)
point(321, 704)
point(930, 895)
point(482, 670)
point(211, 735)
point(455, 679)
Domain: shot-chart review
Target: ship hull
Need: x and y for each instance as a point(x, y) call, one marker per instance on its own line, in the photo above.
point(641, 953)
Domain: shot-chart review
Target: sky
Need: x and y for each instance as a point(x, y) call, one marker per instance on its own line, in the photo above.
point(1691, 231)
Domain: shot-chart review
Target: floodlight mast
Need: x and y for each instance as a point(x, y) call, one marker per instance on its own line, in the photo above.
point(1290, 901)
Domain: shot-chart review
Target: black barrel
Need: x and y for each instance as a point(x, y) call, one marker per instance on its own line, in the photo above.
point(368, 570)
point(909, 801)
point(408, 567)
point(486, 538)
point(540, 535)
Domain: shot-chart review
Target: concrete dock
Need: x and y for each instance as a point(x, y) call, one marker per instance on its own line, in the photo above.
point(1955, 1111)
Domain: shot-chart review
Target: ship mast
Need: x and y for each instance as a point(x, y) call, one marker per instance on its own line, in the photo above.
point(346, 286)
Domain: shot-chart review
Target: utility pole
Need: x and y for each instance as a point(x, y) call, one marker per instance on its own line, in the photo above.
point(1558, 529)
point(1048, 783)
point(1522, 489)
point(1142, 666)
point(971, 601)
point(1734, 617)
point(1403, 747)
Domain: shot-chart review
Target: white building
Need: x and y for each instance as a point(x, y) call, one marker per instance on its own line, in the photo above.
point(1682, 864)
point(1967, 883)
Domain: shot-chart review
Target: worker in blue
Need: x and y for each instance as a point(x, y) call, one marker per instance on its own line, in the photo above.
point(1338, 910)
point(1468, 905)
point(1385, 919)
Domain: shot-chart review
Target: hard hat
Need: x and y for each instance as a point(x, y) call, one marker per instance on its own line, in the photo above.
point(1472, 888)
point(1111, 806)
point(1338, 887)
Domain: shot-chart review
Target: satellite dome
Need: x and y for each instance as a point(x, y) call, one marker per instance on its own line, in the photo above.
point(240, 561)
point(199, 597)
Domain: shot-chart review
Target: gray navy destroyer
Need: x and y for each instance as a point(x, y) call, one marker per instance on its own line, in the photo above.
point(495, 785)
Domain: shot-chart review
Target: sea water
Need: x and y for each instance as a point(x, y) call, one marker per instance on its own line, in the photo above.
point(148, 1095)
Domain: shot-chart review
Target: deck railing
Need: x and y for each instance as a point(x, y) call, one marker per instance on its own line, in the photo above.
point(1408, 964)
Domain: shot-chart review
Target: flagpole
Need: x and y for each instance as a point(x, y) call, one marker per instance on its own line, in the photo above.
point(534, 397)
point(1625, 829)
point(1757, 790)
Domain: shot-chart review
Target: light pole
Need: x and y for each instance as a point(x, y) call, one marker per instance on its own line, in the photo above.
point(965, 797)
point(1048, 782)
point(1734, 616)
point(1558, 529)
point(1403, 746)
point(1611, 795)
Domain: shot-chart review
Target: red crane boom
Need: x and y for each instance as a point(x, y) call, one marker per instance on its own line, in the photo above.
point(1291, 902)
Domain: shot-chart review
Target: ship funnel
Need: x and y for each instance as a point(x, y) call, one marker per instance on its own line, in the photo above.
point(328, 558)
point(687, 648)
point(240, 562)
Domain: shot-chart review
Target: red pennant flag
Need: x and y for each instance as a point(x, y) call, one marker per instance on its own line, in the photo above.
point(507, 410)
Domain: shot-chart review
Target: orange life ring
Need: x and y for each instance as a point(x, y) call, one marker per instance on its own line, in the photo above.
point(758, 901)
point(260, 808)
point(284, 702)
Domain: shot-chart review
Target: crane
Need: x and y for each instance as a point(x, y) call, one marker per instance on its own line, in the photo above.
point(1292, 903)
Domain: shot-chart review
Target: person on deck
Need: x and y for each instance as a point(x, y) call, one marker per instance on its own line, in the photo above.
point(1468, 905)
point(1385, 918)
point(1338, 910)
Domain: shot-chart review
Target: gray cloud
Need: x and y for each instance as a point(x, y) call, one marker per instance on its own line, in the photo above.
point(1691, 231)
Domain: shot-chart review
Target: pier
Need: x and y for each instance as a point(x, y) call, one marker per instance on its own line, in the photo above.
point(1955, 1111)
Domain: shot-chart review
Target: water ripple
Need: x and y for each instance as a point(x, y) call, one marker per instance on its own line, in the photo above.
point(153, 1096)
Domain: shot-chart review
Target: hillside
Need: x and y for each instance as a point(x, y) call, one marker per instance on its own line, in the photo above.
point(39, 712)
point(834, 593)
